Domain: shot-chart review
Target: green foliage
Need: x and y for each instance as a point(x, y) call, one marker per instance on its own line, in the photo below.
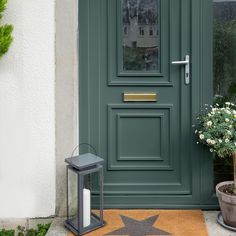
point(3, 4)
point(137, 58)
point(230, 188)
point(40, 231)
point(225, 61)
point(133, 58)
point(217, 129)
point(5, 232)
point(22, 231)
point(5, 32)
point(5, 38)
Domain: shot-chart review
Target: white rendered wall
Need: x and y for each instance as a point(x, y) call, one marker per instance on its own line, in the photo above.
point(27, 107)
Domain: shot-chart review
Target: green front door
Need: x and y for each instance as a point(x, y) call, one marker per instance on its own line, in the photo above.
point(135, 105)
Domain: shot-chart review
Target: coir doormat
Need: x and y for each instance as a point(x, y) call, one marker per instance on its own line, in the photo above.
point(152, 222)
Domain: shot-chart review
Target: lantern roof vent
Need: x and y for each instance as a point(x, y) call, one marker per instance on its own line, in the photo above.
point(84, 161)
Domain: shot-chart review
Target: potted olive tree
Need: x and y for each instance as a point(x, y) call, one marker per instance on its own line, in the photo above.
point(217, 130)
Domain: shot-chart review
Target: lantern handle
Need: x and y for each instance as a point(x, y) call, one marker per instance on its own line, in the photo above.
point(93, 148)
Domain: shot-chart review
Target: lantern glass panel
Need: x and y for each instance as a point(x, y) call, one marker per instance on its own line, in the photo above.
point(96, 198)
point(73, 197)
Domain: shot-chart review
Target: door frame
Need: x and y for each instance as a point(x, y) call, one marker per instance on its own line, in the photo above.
point(202, 90)
point(201, 93)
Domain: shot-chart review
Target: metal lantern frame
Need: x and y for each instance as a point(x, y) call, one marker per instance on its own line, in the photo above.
point(84, 165)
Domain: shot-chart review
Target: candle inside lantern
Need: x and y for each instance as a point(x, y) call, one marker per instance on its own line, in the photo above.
point(86, 207)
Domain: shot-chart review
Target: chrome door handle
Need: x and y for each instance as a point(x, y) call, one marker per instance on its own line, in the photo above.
point(186, 62)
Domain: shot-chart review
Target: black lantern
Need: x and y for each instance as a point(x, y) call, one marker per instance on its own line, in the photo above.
point(84, 193)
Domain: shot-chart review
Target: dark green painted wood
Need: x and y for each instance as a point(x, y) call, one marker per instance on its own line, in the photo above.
point(202, 90)
point(177, 173)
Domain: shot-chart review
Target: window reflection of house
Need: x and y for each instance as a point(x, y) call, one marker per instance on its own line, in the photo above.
point(140, 34)
point(147, 36)
point(150, 31)
point(125, 31)
point(140, 19)
point(141, 31)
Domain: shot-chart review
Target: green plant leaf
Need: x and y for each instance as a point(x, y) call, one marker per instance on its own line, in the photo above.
point(5, 38)
point(3, 4)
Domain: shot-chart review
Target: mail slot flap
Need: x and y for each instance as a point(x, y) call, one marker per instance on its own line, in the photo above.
point(139, 97)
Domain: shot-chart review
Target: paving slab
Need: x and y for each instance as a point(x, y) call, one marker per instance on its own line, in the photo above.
point(57, 228)
point(214, 229)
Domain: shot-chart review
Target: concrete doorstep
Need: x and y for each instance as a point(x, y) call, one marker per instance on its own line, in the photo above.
point(214, 229)
point(57, 227)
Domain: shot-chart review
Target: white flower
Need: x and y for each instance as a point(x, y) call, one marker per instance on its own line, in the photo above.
point(230, 126)
point(211, 150)
point(217, 104)
point(226, 140)
point(209, 114)
point(195, 131)
point(220, 141)
point(208, 141)
point(214, 109)
point(228, 112)
point(234, 112)
point(201, 136)
point(235, 144)
point(197, 142)
point(226, 120)
point(228, 131)
point(209, 123)
point(227, 103)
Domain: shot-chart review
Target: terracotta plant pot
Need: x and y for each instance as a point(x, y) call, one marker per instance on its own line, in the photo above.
point(227, 205)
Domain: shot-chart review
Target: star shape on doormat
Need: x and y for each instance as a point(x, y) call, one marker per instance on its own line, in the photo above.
point(138, 228)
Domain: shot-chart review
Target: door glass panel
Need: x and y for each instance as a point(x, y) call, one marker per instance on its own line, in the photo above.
point(141, 39)
point(224, 50)
point(224, 59)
